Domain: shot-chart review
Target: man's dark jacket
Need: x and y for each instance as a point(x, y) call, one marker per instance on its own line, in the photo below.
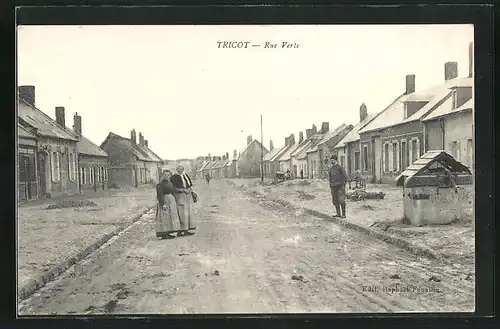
point(337, 176)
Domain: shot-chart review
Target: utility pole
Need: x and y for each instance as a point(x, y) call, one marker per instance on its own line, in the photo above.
point(261, 151)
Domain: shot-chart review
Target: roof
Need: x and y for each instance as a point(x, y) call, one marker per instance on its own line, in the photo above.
point(86, 147)
point(394, 114)
point(288, 153)
point(271, 154)
point(228, 162)
point(353, 134)
point(330, 134)
point(279, 153)
point(142, 152)
point(425, 161)
point(23, 132)
point(46, 126)
point(314, 140)
point(248, 145)
point(446, 108)
point(203, 164)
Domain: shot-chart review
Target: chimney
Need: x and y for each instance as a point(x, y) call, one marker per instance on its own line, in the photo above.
point(410, 84)
point(363, 112)
point(301, 137)
point(27, 93)
point(314, 130)
point(271, 146)
point(249, 139)
point(292, 139)
point(141, 139)
point(133, 137)
point(308, 133)
point(235, 154)
point(325, 126)
point(60, 119)
point(227, 155)
point(450, 70)
point(146, 142)
point(471, 60)
point(77, 123)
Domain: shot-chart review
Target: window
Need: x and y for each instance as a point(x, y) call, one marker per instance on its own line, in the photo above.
point(386, 157)
point(395, 152)
point(470, 157)
point(56, 166)
point(92, 175)
point(356, 161)
point(72, 166)
point(82, 175)
point(365, 158)
point(404, 156)
point(98, 174)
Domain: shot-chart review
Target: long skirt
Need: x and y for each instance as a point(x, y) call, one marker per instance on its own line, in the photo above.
point(185, 210)
point(167, 221)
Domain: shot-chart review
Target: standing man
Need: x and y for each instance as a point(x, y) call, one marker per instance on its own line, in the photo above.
point(207, 177)
point(338, 178)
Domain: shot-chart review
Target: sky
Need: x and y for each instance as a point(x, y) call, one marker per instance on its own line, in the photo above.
point(191, 98)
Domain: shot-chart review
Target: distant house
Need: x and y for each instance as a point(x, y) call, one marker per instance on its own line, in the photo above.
point(285, 160)
point(348, 149)
point(249, 160)
point(393, 140)
point(131, 163)
point(199, 171)
point(300, 165)
point(267, 159)
point(231, 165)
point(322, 151)
point(50, 166)
point(274, 164)
point(92, 160)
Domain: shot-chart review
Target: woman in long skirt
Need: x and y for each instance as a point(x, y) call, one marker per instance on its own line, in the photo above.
point(184, 198)
point(167, 219)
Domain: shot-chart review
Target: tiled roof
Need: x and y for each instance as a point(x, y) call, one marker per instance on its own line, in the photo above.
point(203, 164)
point(353, 135)
point(46, 126)
point(299, 149)
point(394, 113)
point(86, 147)
point(23, 132)
point(139, 151)
point(269, 155)
point(279, 153)
point(329, 135)
point(446, 108)
point(287, 155)
point(424, 162)
point(315, 140)
point(252, 142)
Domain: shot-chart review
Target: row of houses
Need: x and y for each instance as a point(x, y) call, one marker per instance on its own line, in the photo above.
point(55, 160)
point(381, 145)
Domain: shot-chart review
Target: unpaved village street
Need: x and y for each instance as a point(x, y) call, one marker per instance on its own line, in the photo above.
point(248, 256)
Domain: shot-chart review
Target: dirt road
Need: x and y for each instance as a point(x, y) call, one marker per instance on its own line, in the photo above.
point(252, 256)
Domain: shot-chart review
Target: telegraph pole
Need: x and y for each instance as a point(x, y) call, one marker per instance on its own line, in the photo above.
point(261, 151)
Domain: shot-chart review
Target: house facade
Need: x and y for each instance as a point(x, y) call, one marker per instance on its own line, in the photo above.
point(394, 139)
point(131, 162)
point(249, 160)
point(55, 154)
